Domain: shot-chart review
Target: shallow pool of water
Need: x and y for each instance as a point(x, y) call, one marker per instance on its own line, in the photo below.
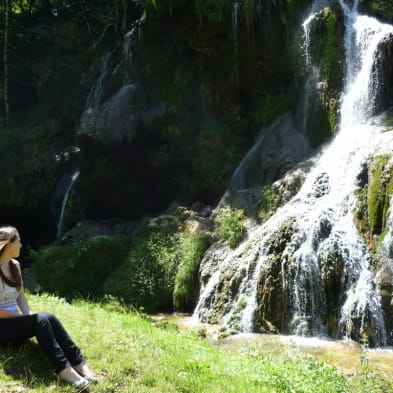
point(347, 355)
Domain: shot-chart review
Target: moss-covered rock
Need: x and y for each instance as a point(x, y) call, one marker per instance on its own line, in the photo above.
point(324, 55)
point(374, 195)
point(272, 314)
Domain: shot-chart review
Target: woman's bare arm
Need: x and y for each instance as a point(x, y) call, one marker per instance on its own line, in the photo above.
point(21, 299)
point(22, 303)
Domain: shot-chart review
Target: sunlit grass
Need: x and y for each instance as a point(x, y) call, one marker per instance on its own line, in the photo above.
point(131, 354)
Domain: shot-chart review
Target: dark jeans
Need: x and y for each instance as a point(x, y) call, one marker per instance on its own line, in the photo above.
point(51, 336)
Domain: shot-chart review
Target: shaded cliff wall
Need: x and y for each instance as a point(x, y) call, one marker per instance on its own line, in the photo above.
point(219, 76)
point(206, 79)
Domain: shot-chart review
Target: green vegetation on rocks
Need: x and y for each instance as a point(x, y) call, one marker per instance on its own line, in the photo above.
point(191, 249)
point(379, 192)
point(81, 267)
point(230, 225)
point(268, 204)
point(379, 8)
point(374, 195)
point(155, 267)
point(326, 52)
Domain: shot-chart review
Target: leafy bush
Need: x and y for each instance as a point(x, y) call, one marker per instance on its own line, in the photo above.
point(191, 250)
point(80, 268)
point(160, 270)
point(146, 277)
point(231, 225)
point(153, 268)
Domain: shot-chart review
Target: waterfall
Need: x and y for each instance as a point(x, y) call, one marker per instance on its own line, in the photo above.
point(60, 223)
point(235, 22)
point(318, 224)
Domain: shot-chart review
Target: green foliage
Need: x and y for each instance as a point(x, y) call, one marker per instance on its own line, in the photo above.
point(381, 7)
point(160, 269)
point(146, 277)
point(191, 249)
point(79, 268)
point(231, 225)
point(152, 268)
point(268, 203)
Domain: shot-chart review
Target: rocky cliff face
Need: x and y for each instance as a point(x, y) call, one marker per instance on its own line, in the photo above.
point(167, 110)
point(165, 114)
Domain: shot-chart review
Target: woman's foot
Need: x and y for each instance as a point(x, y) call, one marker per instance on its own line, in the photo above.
point(71, 376)
point(84, 370)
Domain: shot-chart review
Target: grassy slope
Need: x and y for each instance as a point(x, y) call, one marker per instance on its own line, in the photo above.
point(133, 355)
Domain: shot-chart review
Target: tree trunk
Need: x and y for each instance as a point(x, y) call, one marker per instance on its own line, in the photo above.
point(5, 60)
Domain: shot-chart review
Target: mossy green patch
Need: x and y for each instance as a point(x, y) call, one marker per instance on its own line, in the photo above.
point(191, 249)
point(326, 53)
point(379, 191)
point(374, 196)
point(331, 42)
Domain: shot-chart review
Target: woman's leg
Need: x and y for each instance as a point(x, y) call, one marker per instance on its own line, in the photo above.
point(69, 348)
point(39, 325)
point(18, 329)
point(73, 353)
point(27, 326)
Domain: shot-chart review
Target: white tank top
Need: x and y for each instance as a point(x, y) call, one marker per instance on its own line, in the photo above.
point(8, 297)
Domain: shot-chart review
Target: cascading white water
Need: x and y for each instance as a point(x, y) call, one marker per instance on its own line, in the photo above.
point(322, 215)
point(60, 223)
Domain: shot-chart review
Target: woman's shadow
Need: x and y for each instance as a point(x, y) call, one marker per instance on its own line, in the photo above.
point(25, 364)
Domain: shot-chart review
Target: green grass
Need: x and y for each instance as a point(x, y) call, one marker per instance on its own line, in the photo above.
point(132, 354)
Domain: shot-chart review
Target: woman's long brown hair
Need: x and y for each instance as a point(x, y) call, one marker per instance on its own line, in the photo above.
point(11, 234)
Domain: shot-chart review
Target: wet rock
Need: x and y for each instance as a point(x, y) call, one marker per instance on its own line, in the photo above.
point(321, 185)
point(278, 149)
point(383, 67)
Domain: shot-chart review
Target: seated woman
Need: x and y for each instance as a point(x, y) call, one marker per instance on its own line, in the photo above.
point(16, 327)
